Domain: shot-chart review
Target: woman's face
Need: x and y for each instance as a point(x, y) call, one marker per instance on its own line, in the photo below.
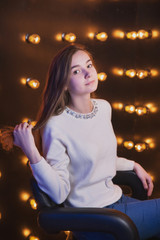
point(83, 75)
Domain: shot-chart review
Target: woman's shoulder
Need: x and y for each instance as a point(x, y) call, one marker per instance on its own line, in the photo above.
point(53, 123)
point(103, 103)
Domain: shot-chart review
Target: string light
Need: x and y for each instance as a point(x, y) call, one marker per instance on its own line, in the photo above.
point(102, 76)
point(23, 81)
point(141, 110)
point(24, 196)
point(33, 238)
point(0, 174)
point(140, 147)
point(155, 33)
point(131, 35)
point(142, 73)
point(119, 140)
point(142, 34)
point(150, 142)
point(152, 108)
point(32, 83)
point(128, 144)
point(101, 36)
point(26, 232)
point(130, 73)
point(24, 160)
point(118, 71)
point(129, 108)
point(33, 203)
point(118, 34)
point(154, 72)
point(0, 215)
point(33, 38)
point(118, 105)
point(69, 37)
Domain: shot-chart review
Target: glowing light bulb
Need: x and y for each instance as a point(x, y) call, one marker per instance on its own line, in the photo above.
point(33, 38)
point(24, 160)
point(26, 232)
point(118, 106)
point(0, 215)
point(0, 174)
point(131, 35)
point(119, 140)
point(91, 35)
point(33, 203)
point(152, 108)
point(155, 33)
point(69, 37)
point(102, 76)
point(140, 147)
point(142, 34)
point(33, 238)
point(128, 144)
point(130, 73)
point(150, 142)
point(141, 110)
point(154, 72)
point(118, 71)
point(33, 83)
point(129, 108)
point(118, 34)
point(23, 81)
point(24, 196)
point(102, 36)
point(58, 37)
point(142, 74)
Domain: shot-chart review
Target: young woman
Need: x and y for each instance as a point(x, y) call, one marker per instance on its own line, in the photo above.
point(77, 157)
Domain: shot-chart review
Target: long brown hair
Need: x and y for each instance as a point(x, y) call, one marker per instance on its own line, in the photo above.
point(55, 95)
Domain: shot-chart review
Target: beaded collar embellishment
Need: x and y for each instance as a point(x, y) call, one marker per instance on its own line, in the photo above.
point(82, 115)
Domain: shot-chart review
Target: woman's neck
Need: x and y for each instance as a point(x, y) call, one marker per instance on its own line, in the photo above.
point(81, 105)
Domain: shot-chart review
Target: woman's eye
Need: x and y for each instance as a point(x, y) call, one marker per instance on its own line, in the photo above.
point(76, 72)
point(90, 65)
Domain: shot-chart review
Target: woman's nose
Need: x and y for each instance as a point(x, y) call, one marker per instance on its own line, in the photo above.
point(87, 74)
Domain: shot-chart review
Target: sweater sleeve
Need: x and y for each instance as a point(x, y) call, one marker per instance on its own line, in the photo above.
point(124, 164)
point(51, 173)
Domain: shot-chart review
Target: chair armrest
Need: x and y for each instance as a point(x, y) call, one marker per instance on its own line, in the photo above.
point(88, 219)
point(130, 179)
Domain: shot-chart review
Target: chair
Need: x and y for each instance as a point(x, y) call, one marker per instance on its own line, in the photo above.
point(55, 218)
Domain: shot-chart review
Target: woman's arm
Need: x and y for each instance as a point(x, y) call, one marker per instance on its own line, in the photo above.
point(24, 139)
point(51, 172)
point(124, 164)
point(144, 177)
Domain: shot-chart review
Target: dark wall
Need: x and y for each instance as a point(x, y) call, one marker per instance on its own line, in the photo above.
point(20, 59)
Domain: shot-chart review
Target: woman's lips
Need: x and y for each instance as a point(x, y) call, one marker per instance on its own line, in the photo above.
point(90, 82)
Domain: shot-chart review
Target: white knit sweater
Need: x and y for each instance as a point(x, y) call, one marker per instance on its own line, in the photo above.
point(80, 158)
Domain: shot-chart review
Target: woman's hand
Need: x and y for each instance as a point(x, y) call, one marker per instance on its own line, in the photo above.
point(144, 177)
point(24, 139)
